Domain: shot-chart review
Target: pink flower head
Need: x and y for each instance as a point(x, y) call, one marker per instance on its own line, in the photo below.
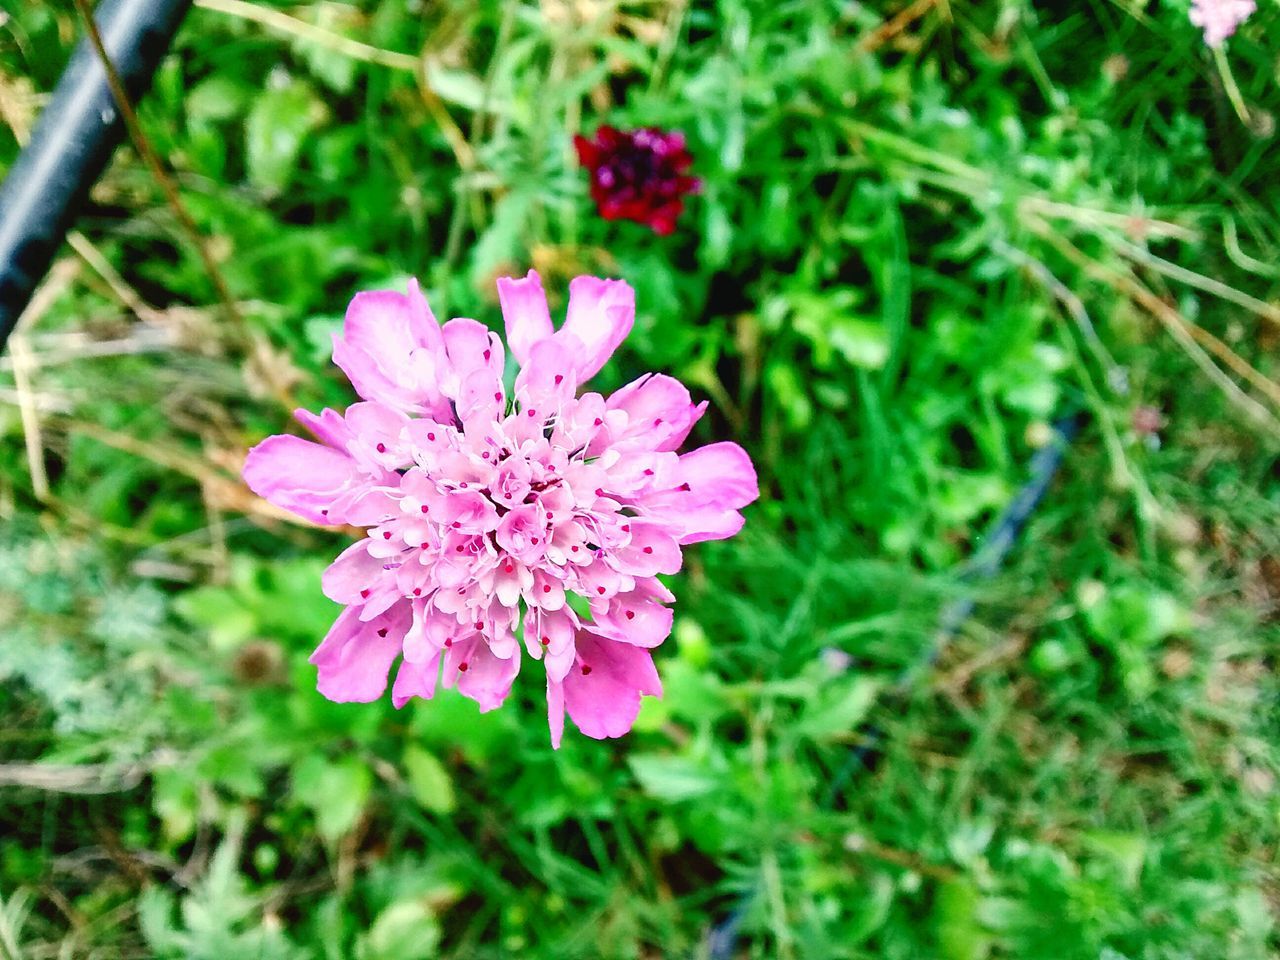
point(485, 512)
point(638, 175)
point(1220, 18)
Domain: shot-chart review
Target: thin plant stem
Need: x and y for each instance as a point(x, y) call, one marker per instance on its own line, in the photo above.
point(463, 190)
point(356, 50)
point(670, 40)
point(1191, 278)
point(1230, 86)
point(1180, 328)
point(282, 22)
point(24, 367)
point(1146, 507)
point(1231, 243)
point(974, 182)
point(895, 25)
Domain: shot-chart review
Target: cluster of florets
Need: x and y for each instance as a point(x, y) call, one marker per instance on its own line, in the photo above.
point(485, 514)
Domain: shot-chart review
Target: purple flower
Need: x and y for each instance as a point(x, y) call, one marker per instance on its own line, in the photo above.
point(1220, 18)
point(483, 515)
point(638, 175)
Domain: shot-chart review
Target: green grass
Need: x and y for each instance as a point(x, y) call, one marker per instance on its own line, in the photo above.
point(910, 256)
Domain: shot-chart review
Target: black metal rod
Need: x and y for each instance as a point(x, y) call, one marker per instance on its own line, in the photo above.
point(72, 142)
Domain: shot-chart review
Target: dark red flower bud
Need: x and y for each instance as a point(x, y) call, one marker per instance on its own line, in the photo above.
point(638, 175)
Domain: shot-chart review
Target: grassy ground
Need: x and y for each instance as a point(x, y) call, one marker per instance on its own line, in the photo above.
point(926, 235)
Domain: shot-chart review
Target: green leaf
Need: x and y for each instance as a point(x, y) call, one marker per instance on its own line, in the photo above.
point(217, 98)
point(429, 780)
point(827, 321)
point(175, 801)
point(864, 343)
point(692, 693)
point(1133, 616)
point(956, 925)
point(673, 778)
point(838, 708)
point(336, 792)
point(216, 609)
point(501, 243)
point(335, 69)
point(462, 88)
point(319, 332)
point(155, 918)
point(405, 930)
point(275, 131)
point(870, 909)
point(1127, 851)
point(233, 767)
point(717, 236)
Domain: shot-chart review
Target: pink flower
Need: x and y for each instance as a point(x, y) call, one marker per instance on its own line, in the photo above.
point(638, 175)
point(484, 513)
point(1220, 18)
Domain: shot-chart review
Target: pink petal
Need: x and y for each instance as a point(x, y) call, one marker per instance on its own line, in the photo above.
point(638, 473)
point(552, 632)
point(603, 694)
point(518, 529)
point(391, 350)
point(467, 511)
point(710, 524)
point(353, 576)
point(415, 680)
point(631, 618)
point(652, 550)
point(600, 581)
point(1220, 18)
point(377, 441)
point(555, 711)
point(524, 309)
point(579, 421)
point(328, 427)
point(600, 315)
point(660, 412)
point(721, 474)
point(300, 476)
point(365, 505)
point(547, 593)
point(354, 658)
point(713, 482)
point(428, 634)
point(478, 674)
point(475, 364)
point(548, 379)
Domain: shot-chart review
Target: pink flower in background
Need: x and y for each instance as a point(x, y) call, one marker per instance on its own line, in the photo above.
point(638, 175)
point(1220, 18)
point(485, 513)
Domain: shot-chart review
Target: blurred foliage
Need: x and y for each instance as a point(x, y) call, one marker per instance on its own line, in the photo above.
point(925, 233)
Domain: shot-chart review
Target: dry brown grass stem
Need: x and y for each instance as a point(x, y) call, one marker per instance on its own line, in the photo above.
point(128, 297)
point(878, 37)
point(72, 778)
point(24, 365)
point(1267, 311)
point(56, 349)
point(1188, 335)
